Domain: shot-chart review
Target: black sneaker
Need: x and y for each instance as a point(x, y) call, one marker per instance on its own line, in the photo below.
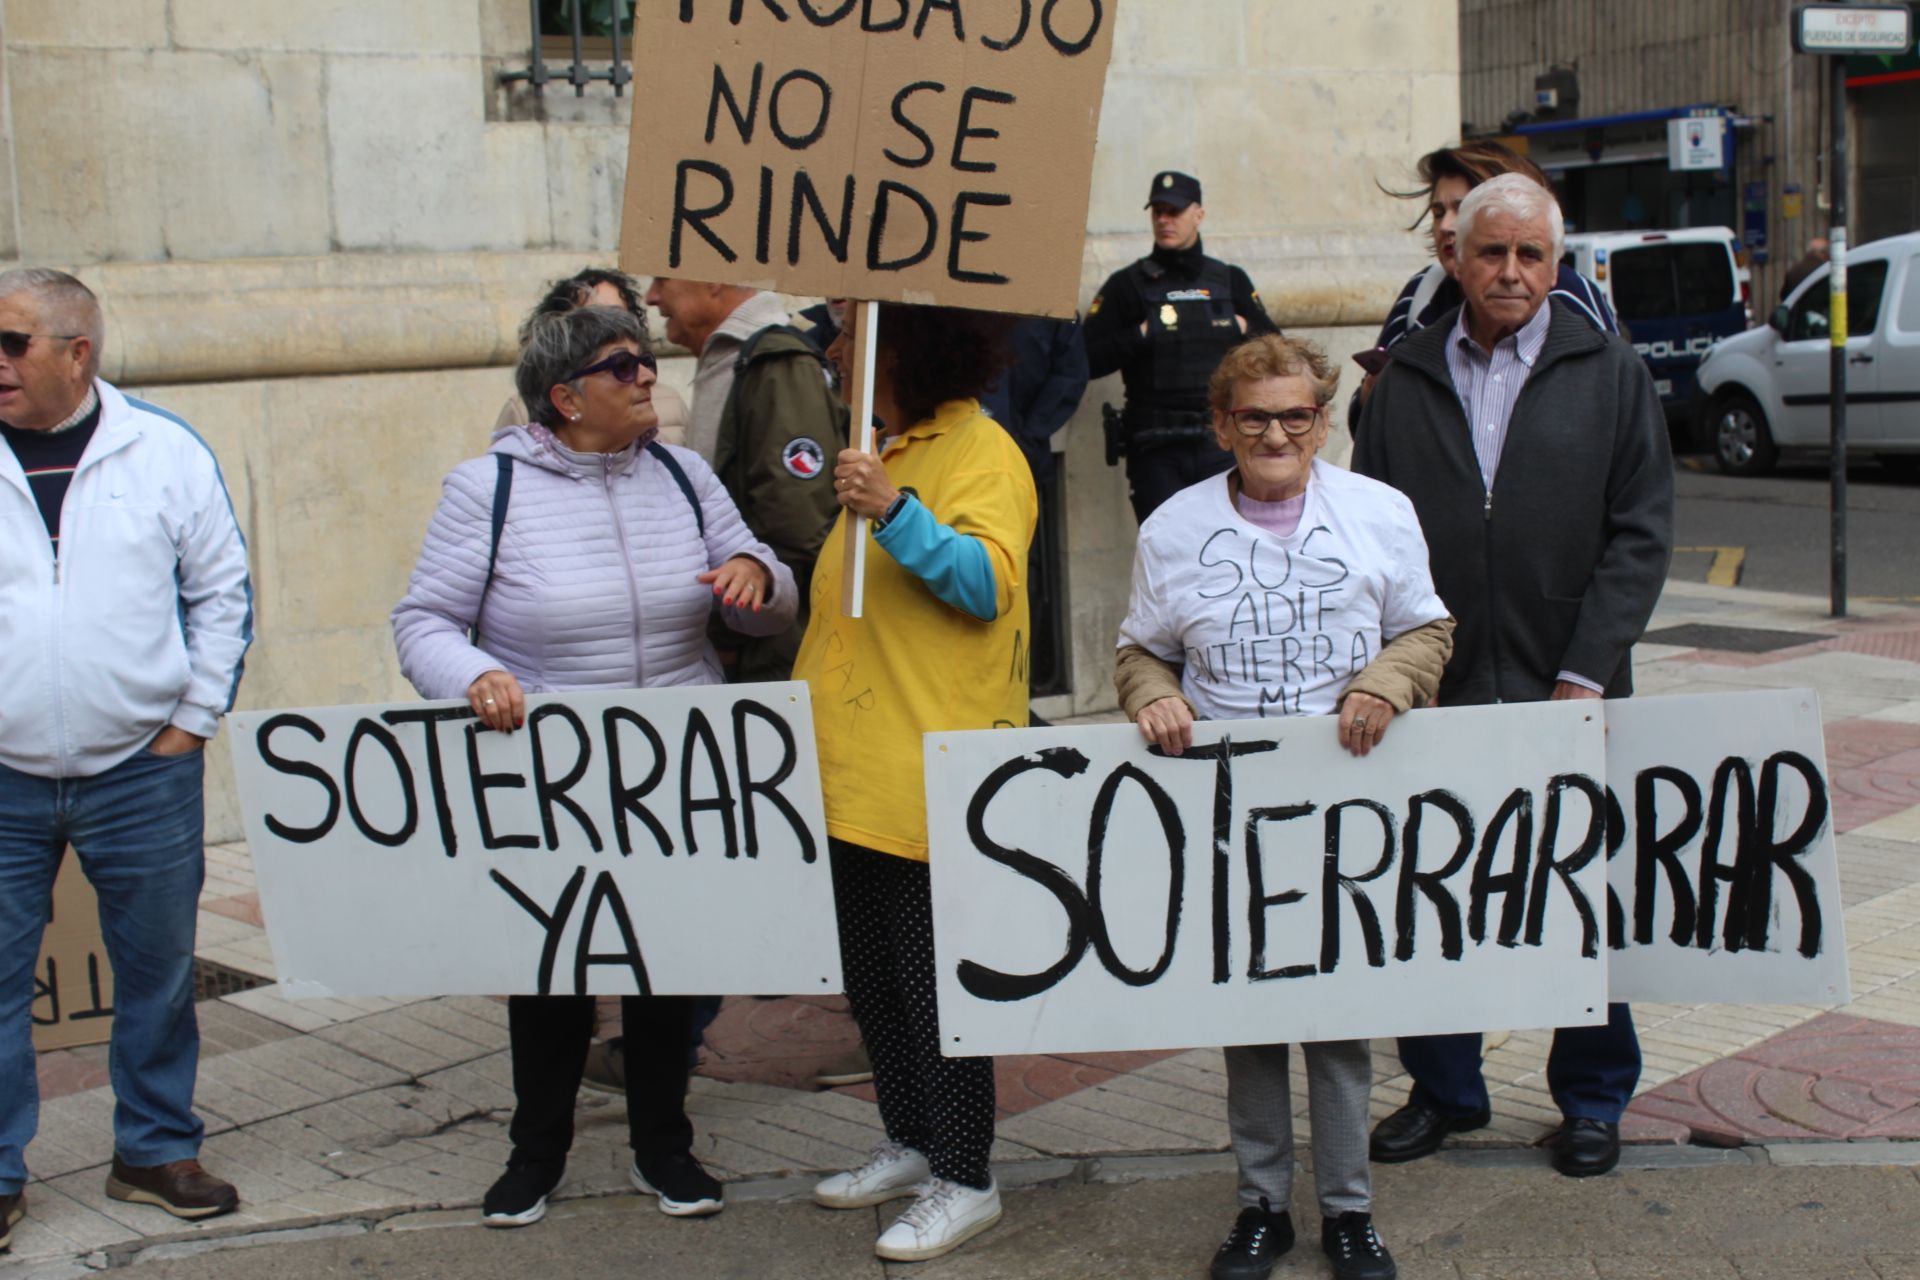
point(519, 1197)
point(1357, 1251)
point(685, 1189)
point(1258, 1238)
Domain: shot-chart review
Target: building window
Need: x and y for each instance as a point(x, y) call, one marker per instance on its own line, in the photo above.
point(587, 38)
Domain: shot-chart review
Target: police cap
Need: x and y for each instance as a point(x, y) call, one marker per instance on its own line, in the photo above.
point(1174, 188)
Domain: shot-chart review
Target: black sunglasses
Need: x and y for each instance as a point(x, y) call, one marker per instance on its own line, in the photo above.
point(625, 366)
point(15, 344)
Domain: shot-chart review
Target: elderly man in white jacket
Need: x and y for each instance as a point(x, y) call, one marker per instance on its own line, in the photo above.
point(125, 613)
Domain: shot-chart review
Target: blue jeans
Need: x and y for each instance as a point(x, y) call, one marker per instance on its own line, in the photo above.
point(1591, 1071)
point(138, 830)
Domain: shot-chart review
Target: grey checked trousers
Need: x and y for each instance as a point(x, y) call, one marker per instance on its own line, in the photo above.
point(1260, 1115)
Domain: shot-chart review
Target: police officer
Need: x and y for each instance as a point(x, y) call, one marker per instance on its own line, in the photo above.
point(1164, 323)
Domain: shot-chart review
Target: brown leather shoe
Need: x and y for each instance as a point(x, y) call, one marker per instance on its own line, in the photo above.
point(181, 1187)
point(12, 1208)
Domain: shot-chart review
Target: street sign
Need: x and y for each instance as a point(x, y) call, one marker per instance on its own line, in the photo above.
point(1853, 28)
point(1696, 142)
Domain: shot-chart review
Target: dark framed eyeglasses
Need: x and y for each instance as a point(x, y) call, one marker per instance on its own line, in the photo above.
point(1297, 421)
point(15, 344)
point(624, 366)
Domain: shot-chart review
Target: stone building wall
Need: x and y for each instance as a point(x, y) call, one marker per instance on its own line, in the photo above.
point(316, 225)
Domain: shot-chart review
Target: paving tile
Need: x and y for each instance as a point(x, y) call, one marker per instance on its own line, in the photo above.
point(64, 1071)
point(58, 1225)
point(227, 1028)
point(398, 1042)
point(253, 1152)
point(47, 1158)
point(301, 1015)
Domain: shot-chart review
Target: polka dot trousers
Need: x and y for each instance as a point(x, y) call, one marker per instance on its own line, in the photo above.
point(941, 1107)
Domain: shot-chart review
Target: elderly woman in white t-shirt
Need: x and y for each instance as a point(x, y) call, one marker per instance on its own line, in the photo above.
point(1286, 586)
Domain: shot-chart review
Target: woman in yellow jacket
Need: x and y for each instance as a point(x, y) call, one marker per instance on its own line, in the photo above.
point(940, 647)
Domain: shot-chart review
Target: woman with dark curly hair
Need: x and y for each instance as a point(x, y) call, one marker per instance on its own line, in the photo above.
point(953, 510)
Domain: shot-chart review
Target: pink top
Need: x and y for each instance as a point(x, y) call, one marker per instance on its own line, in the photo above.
point(1278, 518)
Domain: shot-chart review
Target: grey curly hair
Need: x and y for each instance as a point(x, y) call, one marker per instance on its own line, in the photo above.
point(559, 344)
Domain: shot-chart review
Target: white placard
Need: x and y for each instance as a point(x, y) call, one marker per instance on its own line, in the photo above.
point(1089, 895)
point(666, 840)
point(1724, 874)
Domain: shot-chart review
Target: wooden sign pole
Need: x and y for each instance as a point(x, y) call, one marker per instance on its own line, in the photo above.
point(853, 573)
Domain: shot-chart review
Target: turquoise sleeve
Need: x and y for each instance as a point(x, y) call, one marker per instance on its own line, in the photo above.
point(955, 567)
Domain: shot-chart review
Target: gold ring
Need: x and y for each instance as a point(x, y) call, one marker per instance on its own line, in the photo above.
point(1359, 722)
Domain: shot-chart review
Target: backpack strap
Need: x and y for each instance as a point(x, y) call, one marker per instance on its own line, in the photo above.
point(686, 486)
point(502, 494)
point(750, 349)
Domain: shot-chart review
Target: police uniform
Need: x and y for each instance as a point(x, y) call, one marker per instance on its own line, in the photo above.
point(1192, 306)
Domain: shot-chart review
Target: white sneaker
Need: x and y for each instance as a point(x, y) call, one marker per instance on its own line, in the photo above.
point(946, 1216)
point(894, 1171)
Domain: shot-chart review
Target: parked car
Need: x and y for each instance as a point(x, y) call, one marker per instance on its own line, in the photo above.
point(1676, 294)
point(1769, 389)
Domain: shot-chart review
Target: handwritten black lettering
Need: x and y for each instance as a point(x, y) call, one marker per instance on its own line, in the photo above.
point(700, 733)
point(767, 788)
point(993, 984)
point(550, 792)
point(1545, 864)
point(1075, 47)
point(409, 797)
point(552, 923)
point(430, 719)
point(883, 204)
point(799, 139)
point(836, 235)
point(482, 782)
point(1259, 901)
point(1019, 31)
point(1431, 884)
point(1335, 883)
point(961, 235)
point(900, 117)
point(723, 91)
point(1176, 839)
point(299, 769)
point(626, 799)
point(966, 129)
point(606, 894)
point(686, 215)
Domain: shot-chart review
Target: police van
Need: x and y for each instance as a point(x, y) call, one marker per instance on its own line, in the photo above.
point(1676, 294)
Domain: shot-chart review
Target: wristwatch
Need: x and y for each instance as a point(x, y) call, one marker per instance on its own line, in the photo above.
point(892, 512)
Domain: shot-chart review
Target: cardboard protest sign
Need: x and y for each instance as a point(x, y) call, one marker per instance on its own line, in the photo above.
point(1726, 884)
point(72, 981)
point(924, 151)
point(664, 841)
point(1267, 886)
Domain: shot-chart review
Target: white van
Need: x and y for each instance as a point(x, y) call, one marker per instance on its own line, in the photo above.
point(1769, 388)
point(1676, 293)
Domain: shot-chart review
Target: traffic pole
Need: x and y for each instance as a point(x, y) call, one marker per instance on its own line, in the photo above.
point(1837, 313)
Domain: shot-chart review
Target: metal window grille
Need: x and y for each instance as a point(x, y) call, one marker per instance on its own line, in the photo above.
point(581, 34)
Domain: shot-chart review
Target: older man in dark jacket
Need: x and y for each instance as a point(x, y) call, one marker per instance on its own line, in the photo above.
point(1534, 450)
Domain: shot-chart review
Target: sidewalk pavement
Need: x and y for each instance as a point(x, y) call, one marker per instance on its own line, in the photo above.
point(339, 1114)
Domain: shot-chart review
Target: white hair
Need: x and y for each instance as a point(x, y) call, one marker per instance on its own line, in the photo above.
point(65, 304)
point(1517, 196)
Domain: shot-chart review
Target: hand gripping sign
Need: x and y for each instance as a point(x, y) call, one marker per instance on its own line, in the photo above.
point(663, 841)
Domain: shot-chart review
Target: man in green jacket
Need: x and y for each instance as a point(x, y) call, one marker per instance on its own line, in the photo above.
point(765, 416)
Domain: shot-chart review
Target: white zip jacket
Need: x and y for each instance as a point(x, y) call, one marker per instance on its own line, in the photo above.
point(145, 618)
